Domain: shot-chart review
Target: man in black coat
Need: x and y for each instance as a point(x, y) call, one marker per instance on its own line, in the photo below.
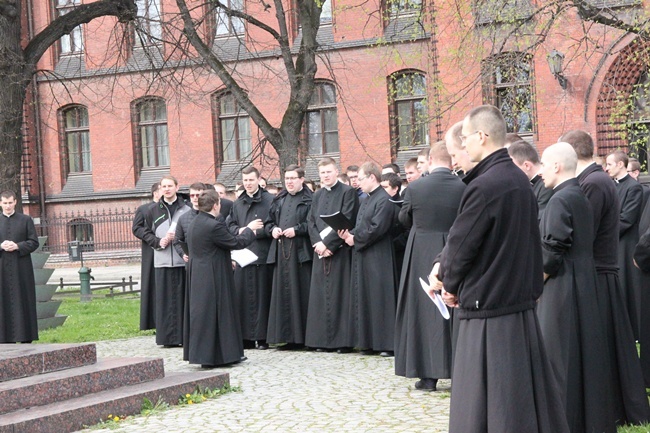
point(526, 158)
point(18, 240)
point(422, 335)
point(373, 277)
point(491, 270)
point(392, 184)
point(142, 220)
point(630, 196)
point(291, 253)
point(254, 281)
point(568, 312)
point(329, 312)
point(213, 332)
point(627, 391)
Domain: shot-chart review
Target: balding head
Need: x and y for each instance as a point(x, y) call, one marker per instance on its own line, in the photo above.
point(559, 163)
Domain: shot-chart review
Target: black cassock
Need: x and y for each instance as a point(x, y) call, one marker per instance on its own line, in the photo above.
point(629, 400)
point(542, 194)
point(141, 221)
point(422, 335)
point(17, 287)
point(374, 276)
point(502, 379)
point(630, 196)
point(180, 238)
point(642, 258)
point(568, 312)
point(292, 273)
point(329, 312)
point(253, 282)
point(214, 336)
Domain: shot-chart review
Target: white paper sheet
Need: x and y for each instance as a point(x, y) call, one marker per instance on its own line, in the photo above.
point(243, 257)
point(437, 299)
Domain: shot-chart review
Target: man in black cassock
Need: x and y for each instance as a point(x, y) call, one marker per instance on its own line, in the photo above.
point(214, 334)
point(142, 220)
point(568, 312)
point(373, 277)
point(526, 158)
point(169, 265)
point(628, 398)
point(291, 253)
point(329, 312)
point(642, 261)
point(630, 196)
point(17, 287)
point(180, 245)
point(491, 270)
point(422, 335)
point(392, 183)
point(253, 282)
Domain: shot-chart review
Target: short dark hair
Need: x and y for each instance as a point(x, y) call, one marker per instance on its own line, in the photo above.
point(155, 187)
point(581, 141)
point(293, 167)
point(413, 162)
point(251, 169)
point(488, 119)
point(344, 178)
point(424, 152)
point(394, 181)
point(392, 165)
point(208, 199)
point(620, 156)
point(352, 168)
point(8, 194)
point(370, 168)
point(521, 151)
point(326, 161)
point(634, 164)
point(512, 137)
point(217, 184)
point(198, 186)
point(169, 177)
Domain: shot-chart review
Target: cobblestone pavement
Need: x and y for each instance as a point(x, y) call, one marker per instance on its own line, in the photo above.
point(284, 391)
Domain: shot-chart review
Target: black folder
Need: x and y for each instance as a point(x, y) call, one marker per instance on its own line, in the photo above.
point(337, 221)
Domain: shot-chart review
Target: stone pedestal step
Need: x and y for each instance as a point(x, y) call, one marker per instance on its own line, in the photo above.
point(21, 360)
point(74, 414)
point(106, 374)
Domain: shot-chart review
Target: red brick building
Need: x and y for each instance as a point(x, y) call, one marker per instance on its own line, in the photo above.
point(116, 110)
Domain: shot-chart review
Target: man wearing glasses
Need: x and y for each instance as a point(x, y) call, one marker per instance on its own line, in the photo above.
point(291, 253)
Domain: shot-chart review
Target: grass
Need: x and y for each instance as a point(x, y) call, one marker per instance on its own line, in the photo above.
point(635, 429)
point(100, 319)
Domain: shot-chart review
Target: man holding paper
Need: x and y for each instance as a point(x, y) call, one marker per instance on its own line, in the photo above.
point(329, 312)
point(253, 282)
point(491, 270)
point(169, 265)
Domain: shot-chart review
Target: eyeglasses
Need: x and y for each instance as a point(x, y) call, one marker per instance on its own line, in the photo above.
point(195, 195)
point(463, 138)
point(362, 178)
point(353, 177)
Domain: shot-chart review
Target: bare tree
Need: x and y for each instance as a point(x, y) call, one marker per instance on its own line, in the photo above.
point(18, 65)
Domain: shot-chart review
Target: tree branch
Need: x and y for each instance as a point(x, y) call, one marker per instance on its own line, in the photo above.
point(124, 10)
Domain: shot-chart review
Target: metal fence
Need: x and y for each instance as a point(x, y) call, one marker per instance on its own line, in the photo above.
point(100, 230)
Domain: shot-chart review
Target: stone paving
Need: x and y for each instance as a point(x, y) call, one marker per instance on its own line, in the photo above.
point(284, 391)
point(302, 391)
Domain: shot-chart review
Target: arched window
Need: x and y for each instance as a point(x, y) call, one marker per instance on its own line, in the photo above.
point(639, 125)
point(507, 83)
point(409, 115)
point(151, 145)
point(148, 24)
point(322, 122)
point(71, 43)
point(232, 131)
point(81, 229)
point(75, 139)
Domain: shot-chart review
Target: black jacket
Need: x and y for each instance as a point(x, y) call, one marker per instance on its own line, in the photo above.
point(305, 251)
point(246, 209)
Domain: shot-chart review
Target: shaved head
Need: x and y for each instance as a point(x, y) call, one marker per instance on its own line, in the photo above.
point(559, 163)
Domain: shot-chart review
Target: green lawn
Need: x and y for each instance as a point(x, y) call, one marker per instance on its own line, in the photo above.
point(100, 319)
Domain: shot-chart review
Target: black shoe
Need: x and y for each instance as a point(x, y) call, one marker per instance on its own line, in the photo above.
point(426, 384)
point(344, 350)
point(387, 354)
point(169, 346)
point(367, 352)
point(262, 345)
point(249, 344)
point(291, 346)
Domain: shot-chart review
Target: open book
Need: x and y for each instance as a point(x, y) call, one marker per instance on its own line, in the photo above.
point(243, 257)
point(337, 221)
